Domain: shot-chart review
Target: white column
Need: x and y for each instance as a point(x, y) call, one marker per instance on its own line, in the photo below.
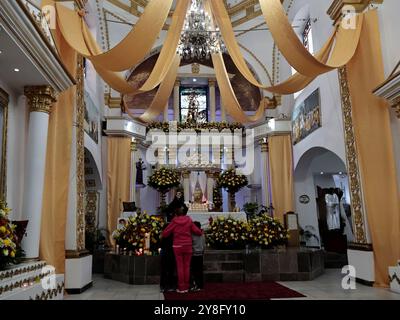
point(210, 186)
point(40, 101)
point(133, 171)
point(186, 186)
point(166, 115)
point(211, 85)
point(266, 201)
point(176, 100)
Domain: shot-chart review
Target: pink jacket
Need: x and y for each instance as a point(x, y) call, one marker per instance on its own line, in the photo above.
point(181, 228)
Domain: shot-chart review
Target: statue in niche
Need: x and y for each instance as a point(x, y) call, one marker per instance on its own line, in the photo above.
point(198, 194)
point(140, 166)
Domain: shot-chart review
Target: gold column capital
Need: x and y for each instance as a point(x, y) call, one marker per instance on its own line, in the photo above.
point(212, 82)
point(186, 174)
point(134, 146)
point(177, 83)
point(264, 146)
point(335, 10)
point(40, 98)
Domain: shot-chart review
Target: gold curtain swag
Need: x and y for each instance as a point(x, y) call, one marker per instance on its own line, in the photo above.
point(373, 138)
point(342, 51)
point(228, 96)
point(282, 172)
point(293, 49)
point(131, 50)
point(162, 66)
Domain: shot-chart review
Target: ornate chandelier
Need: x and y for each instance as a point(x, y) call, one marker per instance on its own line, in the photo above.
point(198, 40)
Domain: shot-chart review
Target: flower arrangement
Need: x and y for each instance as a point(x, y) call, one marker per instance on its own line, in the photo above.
point(8, 238)
point(266, 232)
point(164, 179)
point(217, 199)
point(226, 233)
point(261, 231)
point(231, 181)
point(133, 236)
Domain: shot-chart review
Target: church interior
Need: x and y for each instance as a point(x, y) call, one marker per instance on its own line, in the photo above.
point(270, 127)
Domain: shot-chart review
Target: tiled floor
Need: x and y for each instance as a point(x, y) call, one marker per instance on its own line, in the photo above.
point(326, 287)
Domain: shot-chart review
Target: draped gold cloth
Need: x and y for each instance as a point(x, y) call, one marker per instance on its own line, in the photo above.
point(228, 96)
point(371, 121)
point(281, 172)
point(118, 178)
point(131, 50)
point(293, 49)
point(68, 17)
point(57, 175)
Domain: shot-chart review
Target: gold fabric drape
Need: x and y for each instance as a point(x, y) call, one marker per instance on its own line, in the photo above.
point(294, 84)
point(281, 173)
point(118, 178)
point(58, 162)
point(164, 61)
point(161, 98)
point(371, 121)
point(293, 49)
point(131, 50)
point(228, 96)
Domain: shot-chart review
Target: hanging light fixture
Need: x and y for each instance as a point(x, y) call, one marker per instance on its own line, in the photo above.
point(198, 40)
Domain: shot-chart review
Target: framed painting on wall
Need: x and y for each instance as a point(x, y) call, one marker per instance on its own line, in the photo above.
point(4, 99)
point(307, 117)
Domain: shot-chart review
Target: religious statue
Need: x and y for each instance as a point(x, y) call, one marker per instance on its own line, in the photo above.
point(177, 202)
point(193, 111)
point(198, 194)
point(140, 166)
point(332, 211)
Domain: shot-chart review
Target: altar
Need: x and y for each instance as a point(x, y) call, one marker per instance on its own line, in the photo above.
point(204, 217)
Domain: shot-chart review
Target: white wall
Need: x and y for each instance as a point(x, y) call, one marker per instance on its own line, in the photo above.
point(18, 119)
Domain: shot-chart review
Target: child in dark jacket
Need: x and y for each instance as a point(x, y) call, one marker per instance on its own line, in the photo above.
point(182, 228)
point(199, 245)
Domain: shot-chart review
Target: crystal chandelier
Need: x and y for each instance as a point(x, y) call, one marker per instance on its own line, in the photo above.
point(198, 40)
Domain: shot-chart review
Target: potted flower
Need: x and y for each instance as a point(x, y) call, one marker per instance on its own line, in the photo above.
point(251, 209)
point(266, 232)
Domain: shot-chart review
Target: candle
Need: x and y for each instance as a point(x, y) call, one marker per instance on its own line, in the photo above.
point(147, 241)
point(159, 251)
point(117, 249)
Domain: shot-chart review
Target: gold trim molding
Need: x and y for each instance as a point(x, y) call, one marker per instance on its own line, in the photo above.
point(357, 202)
point(4, 100)
point(40, 98)
point(80, 157)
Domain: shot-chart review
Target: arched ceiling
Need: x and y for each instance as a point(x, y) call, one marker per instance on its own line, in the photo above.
point(248, 95)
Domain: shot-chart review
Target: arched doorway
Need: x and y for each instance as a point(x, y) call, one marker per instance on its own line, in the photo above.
point(321, 191)
point(92, 197)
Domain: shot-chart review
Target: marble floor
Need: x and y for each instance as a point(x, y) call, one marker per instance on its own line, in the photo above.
point(326, 287)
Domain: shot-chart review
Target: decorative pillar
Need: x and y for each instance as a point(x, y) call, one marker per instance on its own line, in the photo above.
point(266, 200)
point(186, 185)
point(211, 85)
point(176, 100)
point(210, 186)
point(40, 101)
point(133, 170)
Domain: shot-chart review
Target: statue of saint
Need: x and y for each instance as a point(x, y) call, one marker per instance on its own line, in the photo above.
point(140, 166)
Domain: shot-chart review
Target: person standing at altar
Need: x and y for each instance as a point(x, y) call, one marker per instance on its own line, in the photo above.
point(168, 280)
point(176, 203)
point(182, 228)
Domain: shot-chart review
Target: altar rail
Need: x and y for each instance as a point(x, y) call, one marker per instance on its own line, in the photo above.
point(225, 266)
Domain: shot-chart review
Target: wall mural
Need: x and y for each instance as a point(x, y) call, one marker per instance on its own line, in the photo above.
point(92, 117)
point(307, 117)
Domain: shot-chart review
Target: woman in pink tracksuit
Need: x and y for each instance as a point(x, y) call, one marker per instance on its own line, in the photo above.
point(182, 228)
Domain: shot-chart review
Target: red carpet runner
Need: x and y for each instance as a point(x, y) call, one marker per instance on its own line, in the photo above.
point(237, 291)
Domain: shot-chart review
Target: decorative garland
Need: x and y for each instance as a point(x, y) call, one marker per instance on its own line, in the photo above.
point(198, 127)
point(51, 293)
point(20, 283)
point(394, 277)
point(16, 272)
